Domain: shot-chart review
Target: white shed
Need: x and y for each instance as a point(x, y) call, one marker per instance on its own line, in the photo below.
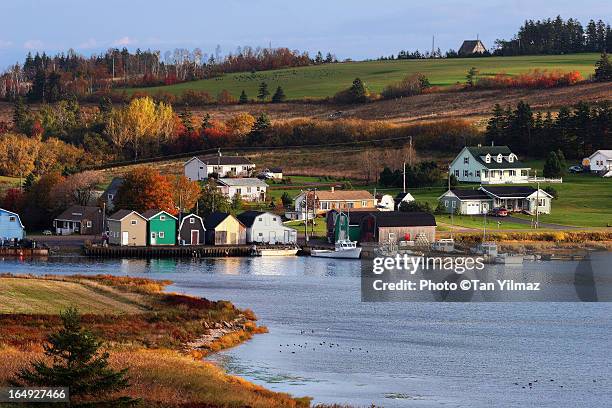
point(266, 227)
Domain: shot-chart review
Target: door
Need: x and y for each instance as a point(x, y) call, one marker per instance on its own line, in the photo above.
point(485, 208)
point(153, 238)
point(287, 237)
point(472, 208)
point(273, 237)
point(195, 237)
point(125, 238)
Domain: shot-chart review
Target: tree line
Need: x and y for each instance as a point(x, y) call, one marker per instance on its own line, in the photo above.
point(44, 78)
point(576, 131)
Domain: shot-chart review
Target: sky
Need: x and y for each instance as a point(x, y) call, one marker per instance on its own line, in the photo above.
point(357, 29)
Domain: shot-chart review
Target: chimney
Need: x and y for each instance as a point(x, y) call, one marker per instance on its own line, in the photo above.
point(332, 189)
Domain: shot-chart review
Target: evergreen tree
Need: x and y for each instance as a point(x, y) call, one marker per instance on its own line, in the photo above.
point(358, 91)
point(552, 167)
point(28, 182)
point(603, 69)
point(236, 203)
point(496, 127)
point(77, 364)
point(37, 92)
point(206, 121)
point(243, 97)
point(279, 95)
point(187, 119)
point(21, 116)
point(257, 134)
point(286, 200)
point(562, 162)
point(212, 199)
point(263, 92)
point(471, 77)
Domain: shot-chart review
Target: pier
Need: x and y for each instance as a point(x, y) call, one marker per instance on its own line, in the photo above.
point(20, 252)
point(199, 251)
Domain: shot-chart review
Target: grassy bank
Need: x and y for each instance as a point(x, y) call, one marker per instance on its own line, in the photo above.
point(154, 334)
point(325, 80)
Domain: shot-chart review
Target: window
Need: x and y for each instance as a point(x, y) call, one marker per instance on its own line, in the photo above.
point(12, 219)
point(445, 204)
point(466, 160)
point(488, 158)
point(134, 222)
point(486, 173)
point(364, 203)
point(261, 234)
point(350, 205)
point(524, 173)
point(511, 158)
point(260, 219)
point(110, 196)
point(162, 218)
point(500, 158)
point(192, 220)
point(273, 218)
point(466, 173)
point(512, 173)
point(162, 234)
point(201, 167)
point(454, 204)
point(477, 173)
point(153, 235)
point(248, 189)
point(542, 202)
point(325, 205)
point(456, 173)
point(88, 224)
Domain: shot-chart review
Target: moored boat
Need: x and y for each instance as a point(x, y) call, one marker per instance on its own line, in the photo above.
point(344, 249)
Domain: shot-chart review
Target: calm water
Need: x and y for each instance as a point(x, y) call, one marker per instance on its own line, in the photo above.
point(325, 343)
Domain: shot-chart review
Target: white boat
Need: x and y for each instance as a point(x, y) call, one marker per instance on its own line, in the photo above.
point(488, 249)
point(278, 251)
point(344, 249)
point(508, 259)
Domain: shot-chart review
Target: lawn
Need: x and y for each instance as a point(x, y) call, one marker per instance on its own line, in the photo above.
point(49, 296)
point(320, 227)
point(325, 80)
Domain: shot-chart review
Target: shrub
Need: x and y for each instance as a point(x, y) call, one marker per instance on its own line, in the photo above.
point(411, 85)
point(533, 79)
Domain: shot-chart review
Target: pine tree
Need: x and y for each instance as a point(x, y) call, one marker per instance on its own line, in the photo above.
point(358, 91)
point(243, 97)
point(236, 203)
point(286, 200)
point(562, 162)
point(187, 119)
point(257, 132)
point(603, 69)
point(279, 95)
point(28, 182)
point(21, 116)
point(263, 92)
point(552, 168)
point(471, 77)
point(78, 364)
point(206, 122)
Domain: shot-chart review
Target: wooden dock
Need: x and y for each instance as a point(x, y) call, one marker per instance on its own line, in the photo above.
point(200, 251)
point(18, 252)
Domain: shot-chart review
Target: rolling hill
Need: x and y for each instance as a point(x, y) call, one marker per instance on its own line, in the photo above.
point(320, 81)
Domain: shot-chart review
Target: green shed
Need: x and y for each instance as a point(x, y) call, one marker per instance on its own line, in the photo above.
point(161, 227)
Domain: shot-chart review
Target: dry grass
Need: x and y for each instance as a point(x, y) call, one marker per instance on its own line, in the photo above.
point(163, 378)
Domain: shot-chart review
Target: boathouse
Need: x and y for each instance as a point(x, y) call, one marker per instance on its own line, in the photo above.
point(10, 226)
point(396, 226)
point(191, 230)
point(266, 227)
point(161, 227)
point(224, 229)
point(126, 227)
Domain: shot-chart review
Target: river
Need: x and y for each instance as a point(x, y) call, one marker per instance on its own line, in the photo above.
point(325, 343)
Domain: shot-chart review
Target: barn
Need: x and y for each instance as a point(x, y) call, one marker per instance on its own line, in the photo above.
point(396, 226)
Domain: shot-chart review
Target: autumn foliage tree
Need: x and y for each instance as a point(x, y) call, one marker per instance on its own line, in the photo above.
point(144, 188)
point(185, 193)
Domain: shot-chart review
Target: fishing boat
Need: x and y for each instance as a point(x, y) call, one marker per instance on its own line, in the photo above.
point(344, 249)
point(508, 259)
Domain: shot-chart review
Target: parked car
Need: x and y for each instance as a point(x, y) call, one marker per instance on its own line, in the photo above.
point(499, 212)
point(47, 232)
point(576, 169)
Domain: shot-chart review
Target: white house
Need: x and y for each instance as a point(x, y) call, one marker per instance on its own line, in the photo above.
point(401, 198)
point(265, 227)
point(512, 198)
point(200, 167)
point(489, 165)
point(600, 161)
point(385, 202)
point(250, 189)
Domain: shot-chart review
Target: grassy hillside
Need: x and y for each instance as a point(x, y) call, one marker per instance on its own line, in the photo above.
point(326, 80)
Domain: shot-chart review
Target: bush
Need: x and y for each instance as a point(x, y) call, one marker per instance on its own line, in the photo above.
point(357, 93)
point(533, 79)
point(411, 85)
point(416, 206)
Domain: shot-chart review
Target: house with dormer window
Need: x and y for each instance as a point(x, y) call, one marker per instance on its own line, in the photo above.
point(489, 165)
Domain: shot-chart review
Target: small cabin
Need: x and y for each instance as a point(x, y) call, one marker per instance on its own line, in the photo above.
point(10, 226)
point(192, 230)
point(224, 229)
point(127, 228)
point(161, 227)
point(471, 47)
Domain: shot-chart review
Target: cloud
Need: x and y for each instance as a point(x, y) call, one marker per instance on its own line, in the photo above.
point(33, 44)
point(5, 44)
point(124, 41)
point(90, 43)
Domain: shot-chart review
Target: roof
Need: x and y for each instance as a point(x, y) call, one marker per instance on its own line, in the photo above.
point(121, 214)
point(14, 214)
point(153, 212)
point(468, 46)
point(467, 194)
point(401, 196)
point(511, 191)
point(275, 170)
point(248, 217)
point(215, 219)
point(607, 153)
point(344, 195)
point(404, 219)
point(478, 151)
point(240, 182)
point(114, 185)
point(185, 216)
point(224, 160)
point(78, 212)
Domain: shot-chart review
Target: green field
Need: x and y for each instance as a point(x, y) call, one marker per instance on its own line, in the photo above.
point(325, 80)
point(51, 296)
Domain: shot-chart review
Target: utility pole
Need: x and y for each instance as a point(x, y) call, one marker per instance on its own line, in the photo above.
point(306, 217)
point(538, 204)
point(404, 177)
point(452, 212)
